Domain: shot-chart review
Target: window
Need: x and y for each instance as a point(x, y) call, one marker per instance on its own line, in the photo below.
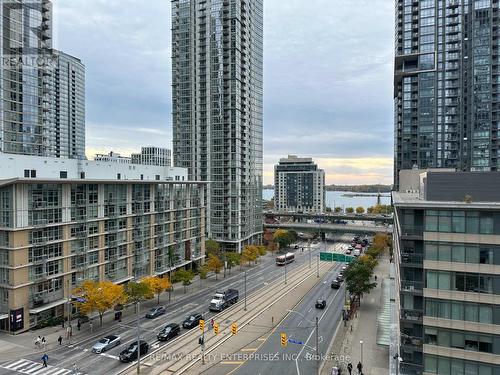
point(63, 174)
point(27, 173)
point(458, 222)
point(33, 173)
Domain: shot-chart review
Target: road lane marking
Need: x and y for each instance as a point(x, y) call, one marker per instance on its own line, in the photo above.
point(109, 355)
point(232, 362)
point(248, 349)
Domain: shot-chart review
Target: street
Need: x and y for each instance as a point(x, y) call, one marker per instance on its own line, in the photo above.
point(62, 359)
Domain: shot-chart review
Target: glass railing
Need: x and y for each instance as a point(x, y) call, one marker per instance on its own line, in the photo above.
point(410, 286)
point(410, 314)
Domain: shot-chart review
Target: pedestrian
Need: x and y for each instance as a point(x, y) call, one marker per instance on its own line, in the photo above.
point(38, 340)
point(43, 342)
point(68, 330)
point(212, 323)
point(45, 359)
point(349, 368)
point(335, 370)
point(75, 369)
point(375, 277)
point(60, 339)
point(360, 368)
point(79, 324)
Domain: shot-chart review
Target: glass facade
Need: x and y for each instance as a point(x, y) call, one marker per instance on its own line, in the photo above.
point(446, 85)
point(217, 110)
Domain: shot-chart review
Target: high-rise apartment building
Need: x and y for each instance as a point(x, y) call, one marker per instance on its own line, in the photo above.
point(299, 185)
point(217, 49)
point(446, 85)
point(68, 107)
point(447, 262)
point(42, 106)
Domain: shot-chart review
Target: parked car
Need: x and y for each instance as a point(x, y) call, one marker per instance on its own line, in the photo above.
point(320, 304)
point(348, 251)
point(356, 253)
point(192, 321)
point(340, 277)
point(168, 332)
point(155, 311)
point(130, 354)
point(336, 284)
point(106, 343)
point(343, 269)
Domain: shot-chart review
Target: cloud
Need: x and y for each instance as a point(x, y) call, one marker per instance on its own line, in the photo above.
point(327, 87)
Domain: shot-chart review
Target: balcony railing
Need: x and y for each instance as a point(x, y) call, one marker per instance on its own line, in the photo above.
point(411, 340)
point(412, 258)
point(411, 230)
point(411, 286)
point(410, 314)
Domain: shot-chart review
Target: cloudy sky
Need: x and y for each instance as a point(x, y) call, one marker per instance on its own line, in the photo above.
point(327, 91)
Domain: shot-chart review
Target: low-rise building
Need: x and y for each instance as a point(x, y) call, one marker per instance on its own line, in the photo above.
point(447, 257)
point(153, 156)
point(299, 185)
point(113, 157)
point(72, 220)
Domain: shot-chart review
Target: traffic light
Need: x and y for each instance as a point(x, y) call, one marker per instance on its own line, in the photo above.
point(234, 328)
point(216, 328)
point(284, 340)
point(202, 325)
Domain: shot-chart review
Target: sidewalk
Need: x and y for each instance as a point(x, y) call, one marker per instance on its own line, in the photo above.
point(12, 346)
point(347, 347)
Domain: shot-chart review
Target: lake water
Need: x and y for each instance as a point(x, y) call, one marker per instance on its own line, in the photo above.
point(344, 199)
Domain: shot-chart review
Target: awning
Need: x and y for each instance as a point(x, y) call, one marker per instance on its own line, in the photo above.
point(48, 306)
point(4, 316)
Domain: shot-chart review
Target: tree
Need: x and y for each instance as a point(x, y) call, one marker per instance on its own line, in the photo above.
point(202, 272)
point(328, 209)
point(269, 240)
point(368, 260)
point(186, 277)
point(249, 254)
point(358, 278)
point(212, 247)
point(232, 260)
point(99, 296)
point(349, 210)
point(283, 238)
point(262, 250)
point(369, 210)
point(157, 285)
point(360, 210)
point(338, 210)
point(214, 264)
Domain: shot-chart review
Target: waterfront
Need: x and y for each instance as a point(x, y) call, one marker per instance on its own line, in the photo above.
point(344, 198)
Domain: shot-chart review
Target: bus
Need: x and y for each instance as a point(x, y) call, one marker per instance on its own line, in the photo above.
point(284, 259)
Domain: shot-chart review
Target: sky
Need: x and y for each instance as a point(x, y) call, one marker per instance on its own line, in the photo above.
point(327, 80)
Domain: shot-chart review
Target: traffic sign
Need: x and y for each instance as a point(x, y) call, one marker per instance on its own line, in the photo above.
point(296, 342)
point(335, 257)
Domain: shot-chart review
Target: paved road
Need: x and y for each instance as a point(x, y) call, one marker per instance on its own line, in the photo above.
point(62, 358)
point(300, 326)
point(363, 229)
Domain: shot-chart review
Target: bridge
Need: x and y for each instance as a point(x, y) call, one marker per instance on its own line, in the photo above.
point(331, 228)
point(330, 217)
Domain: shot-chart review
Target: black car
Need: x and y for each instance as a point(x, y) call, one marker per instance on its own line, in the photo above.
point(169, 331)
point(320, 304)
point(155, 311)
point(192, 321)
point(336, 284)
point(130, 354)
point(348, 251)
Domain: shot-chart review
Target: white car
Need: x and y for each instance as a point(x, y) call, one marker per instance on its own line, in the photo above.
point(106, 343)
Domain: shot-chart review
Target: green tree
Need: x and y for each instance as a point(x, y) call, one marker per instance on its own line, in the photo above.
point(358, 278)
point(338, 210)
point(328, 209)
point(212, 247)
point(184, 276)
point(283, 238)
point(262, 250)
point(349, 210)
point(214, 264)
point(202, 272)
point(232, 259)
point(360, 210)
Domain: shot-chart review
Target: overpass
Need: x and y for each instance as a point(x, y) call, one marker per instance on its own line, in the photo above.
point(331, 228)
point(331, 217)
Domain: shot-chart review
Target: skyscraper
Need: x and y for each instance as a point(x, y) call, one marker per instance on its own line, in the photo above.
point(446, 85)
point(217, 49)
point(42, 106)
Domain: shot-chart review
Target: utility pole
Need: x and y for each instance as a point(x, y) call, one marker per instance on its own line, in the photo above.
point(138, 341)
point(309, 248)
point(285, 269)
point(245, 290)
point(317, 266)
point(317, 345)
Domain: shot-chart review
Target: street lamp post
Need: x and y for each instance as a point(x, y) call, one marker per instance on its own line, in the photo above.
point(317, 266)
point(245, 290)
point(309, 248)
point(285, 268)
point(361, 345)
point(316, 324)
point(138, 341)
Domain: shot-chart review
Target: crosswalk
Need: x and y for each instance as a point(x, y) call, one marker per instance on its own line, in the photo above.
point(25, 366)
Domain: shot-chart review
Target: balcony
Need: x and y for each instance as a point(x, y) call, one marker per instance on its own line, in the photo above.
point(411, 340)
point(412, 315)
point(411, 231)
point(412, 286)
point(412, 259)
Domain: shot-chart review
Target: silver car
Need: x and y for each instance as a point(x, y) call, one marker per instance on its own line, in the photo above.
point(106, 343)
